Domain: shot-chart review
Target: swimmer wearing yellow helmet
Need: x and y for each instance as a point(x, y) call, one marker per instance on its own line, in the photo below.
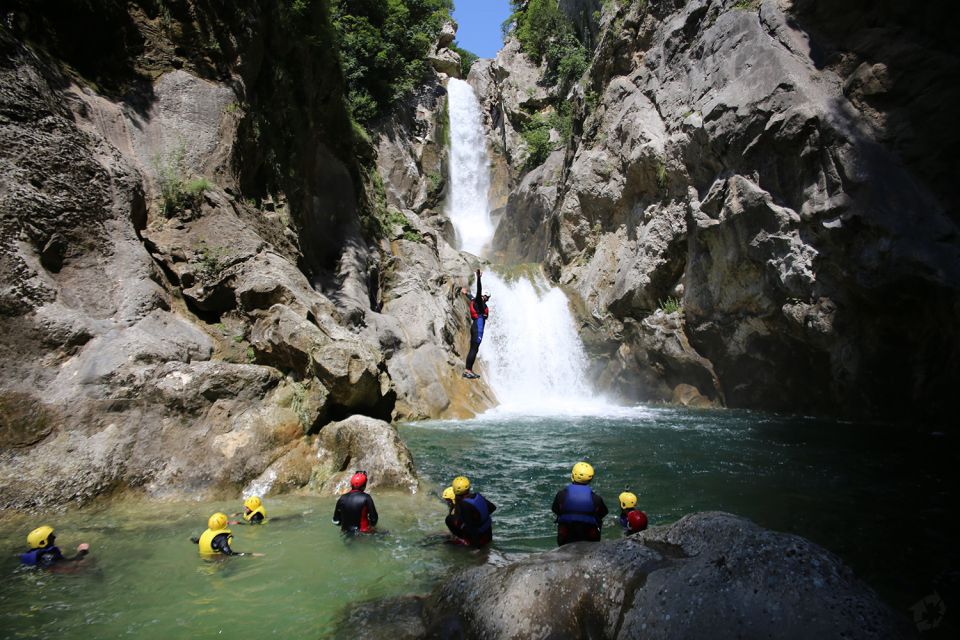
point(580, 511)
point(43, 553)
point(253, 512)
point(470, 520)
point(216, 540)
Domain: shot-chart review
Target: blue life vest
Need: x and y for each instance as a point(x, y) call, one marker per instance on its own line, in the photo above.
point(578, 507)
point(32, 557)
point(478, 503)
point(623, 520)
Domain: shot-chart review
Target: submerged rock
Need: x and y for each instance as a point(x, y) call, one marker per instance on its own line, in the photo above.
point(709, 575)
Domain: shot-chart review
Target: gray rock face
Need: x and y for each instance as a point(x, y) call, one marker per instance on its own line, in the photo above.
point(708, 575)
point(740, 159)
point(363, 443)
point(163, 334)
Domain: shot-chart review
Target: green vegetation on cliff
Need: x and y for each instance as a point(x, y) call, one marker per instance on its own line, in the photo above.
point(545, 33)
point(383, 48)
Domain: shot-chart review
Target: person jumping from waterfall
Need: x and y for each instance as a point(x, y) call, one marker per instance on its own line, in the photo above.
point(580, 511)
point(355, 512)
point(470, 520)
point(479, 312)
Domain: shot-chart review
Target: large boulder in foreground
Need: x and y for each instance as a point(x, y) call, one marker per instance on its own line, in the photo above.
point(709, 575)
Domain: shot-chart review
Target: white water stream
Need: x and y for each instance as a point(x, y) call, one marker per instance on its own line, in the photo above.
point(531, 354)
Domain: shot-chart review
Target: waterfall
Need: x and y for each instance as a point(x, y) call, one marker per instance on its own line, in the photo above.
point(467, 205)
point(531, 355)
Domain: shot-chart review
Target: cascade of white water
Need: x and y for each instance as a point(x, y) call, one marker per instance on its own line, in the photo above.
point(531, 354)
point(467, 204)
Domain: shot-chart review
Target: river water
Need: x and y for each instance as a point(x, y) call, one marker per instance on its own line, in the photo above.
point(880, 499)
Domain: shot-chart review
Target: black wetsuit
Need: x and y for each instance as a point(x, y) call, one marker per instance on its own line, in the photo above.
point(221, 544)
point(579, 517)
point(471, 519)
point(476, 326)
point(355, 512)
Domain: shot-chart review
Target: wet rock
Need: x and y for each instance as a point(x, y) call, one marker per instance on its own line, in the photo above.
point(708, 575)
point(362, 443)
point(445, 61)
point(689, 396)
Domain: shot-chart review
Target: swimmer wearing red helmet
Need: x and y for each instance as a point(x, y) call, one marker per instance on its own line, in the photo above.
point(355, 512)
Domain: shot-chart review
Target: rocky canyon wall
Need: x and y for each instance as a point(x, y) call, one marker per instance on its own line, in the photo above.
point(752, 200)
point(201, 269)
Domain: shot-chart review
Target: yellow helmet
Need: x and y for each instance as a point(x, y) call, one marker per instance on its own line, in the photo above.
point(40, 537)
point(582, 473)
point(627, 500)
point(448, 494)
point(217, 521)
point(460, 485)
point(253, 503)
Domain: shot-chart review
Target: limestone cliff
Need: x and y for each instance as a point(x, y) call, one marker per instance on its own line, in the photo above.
point(199, 271)
point(750, 201)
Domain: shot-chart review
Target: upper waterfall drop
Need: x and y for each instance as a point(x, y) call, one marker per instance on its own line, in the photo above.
point(468, 205)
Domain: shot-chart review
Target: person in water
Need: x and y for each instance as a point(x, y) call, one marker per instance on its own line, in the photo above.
point(216, 540)
point(44, 553)
point(580, 511)
point(355, 511)
point(471, 519)
point(253, 512)
point(636, 522)
point(479, 312)
point(453, 522)
point(632, 520)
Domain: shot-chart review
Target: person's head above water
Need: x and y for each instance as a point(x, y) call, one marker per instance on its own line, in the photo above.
point(460, 485)
point(582, 473)
point(217, 522)
point(41, 537)
point(628, 500)
point(252, 503)
point(358, 482)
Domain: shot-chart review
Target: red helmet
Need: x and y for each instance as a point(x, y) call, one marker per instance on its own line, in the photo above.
point(637, 521)
point(359, 480)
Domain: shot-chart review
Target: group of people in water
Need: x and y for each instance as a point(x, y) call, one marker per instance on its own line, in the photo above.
point(579, 511)
point(578, 508)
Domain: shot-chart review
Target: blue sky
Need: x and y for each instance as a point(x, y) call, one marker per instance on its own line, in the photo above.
point(480, 22)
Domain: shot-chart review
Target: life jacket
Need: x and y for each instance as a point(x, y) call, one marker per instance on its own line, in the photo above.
point(623, 517)
point(486, 524)
point(260, 510)
point(32, 557)
point(473, 311)
point(205, 543)
point(578, 506)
